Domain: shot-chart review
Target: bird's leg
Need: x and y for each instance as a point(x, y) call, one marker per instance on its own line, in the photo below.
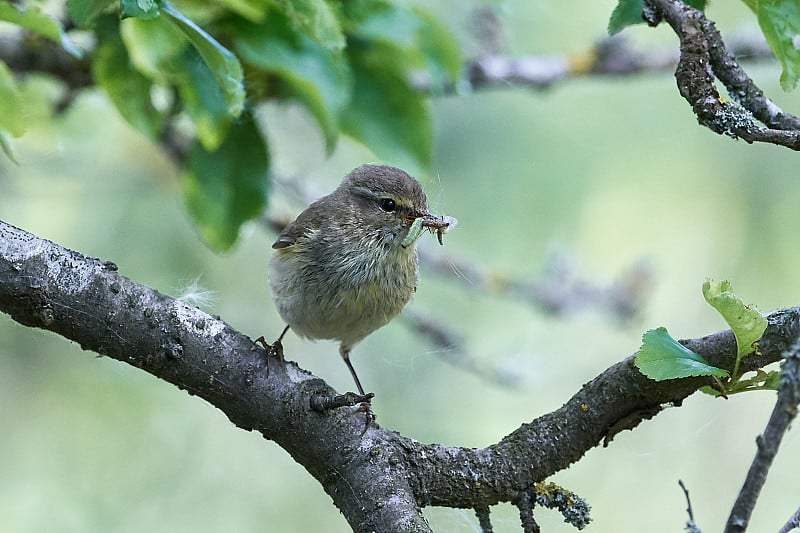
point(365, 405)
point(323, 403)
point(276, 348)
point(346, 356)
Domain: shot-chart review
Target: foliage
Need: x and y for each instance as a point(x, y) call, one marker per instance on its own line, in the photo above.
point(351, 65)
point(780, 22)
point(661, 357)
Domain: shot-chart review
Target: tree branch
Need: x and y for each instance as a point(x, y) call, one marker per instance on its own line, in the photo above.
point(611, 57)
point(768, 442)
point(792, 523)
point(703, 52)
point(379, 480)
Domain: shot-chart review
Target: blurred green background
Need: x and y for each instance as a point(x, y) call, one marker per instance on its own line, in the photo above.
point(611, 170)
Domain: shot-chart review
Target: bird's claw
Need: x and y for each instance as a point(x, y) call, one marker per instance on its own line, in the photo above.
point(369, 414)
point(322, 403)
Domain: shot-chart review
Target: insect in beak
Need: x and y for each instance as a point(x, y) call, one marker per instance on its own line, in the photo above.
point(440, 224)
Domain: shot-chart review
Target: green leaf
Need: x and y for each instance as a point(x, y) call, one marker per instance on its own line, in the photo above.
point(661, 357)
point(442, 52)
point(254, 10)
point(159, 50)
point(203, 100)
point(154, 47)
point(84, 12)
point(37, 21)
point(141, 9)
point(773, 381)
point(223, 64)
point(626, 13)
point(780, 23)
point(12, 118)
point(7, 147)
point(385, 23)
point(747, 323)
point(629, 12)
point(225, 188)
point(317, 19)
point(413, 37)
point(386, 114)
point(310, 72)
point(127, 88)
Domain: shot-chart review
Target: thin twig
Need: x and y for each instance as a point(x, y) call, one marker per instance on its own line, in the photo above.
point(483, 519)
point(558, 289)
point(525, 504)
point(769, 441)
point(792, 523)
point(691, 526)
point(611, 57)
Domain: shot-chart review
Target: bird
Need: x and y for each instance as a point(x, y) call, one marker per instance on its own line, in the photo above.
point(347, 265)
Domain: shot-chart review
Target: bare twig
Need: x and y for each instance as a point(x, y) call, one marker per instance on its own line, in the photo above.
point(525, 504)
point(769, 441)
point(611, 57)
point(792, 523)
point(703, 56)
point(558, 289)
point(484, 521)
point(691, 526)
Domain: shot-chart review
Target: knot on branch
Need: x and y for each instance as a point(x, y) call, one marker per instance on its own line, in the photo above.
point(572, 507)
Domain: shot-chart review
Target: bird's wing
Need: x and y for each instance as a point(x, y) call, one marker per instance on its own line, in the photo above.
point(306, 223)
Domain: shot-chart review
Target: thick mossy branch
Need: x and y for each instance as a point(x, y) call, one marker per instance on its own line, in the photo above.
point(379, 480)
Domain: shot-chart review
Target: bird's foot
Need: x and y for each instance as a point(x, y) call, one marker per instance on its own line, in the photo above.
point(322, 403)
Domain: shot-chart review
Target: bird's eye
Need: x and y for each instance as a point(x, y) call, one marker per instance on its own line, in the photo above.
point(388, 205)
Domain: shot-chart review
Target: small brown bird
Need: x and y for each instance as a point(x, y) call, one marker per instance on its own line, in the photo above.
point(348, 264)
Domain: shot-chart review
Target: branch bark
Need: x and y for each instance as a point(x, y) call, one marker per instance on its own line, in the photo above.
point(703, 56)
point(768, 442)
point(379, 480)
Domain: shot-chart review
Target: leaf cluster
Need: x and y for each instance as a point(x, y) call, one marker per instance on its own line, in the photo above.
point(661, 357)
point(351, 65)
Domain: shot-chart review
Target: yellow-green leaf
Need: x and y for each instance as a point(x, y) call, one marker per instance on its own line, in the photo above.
point(747, 323)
